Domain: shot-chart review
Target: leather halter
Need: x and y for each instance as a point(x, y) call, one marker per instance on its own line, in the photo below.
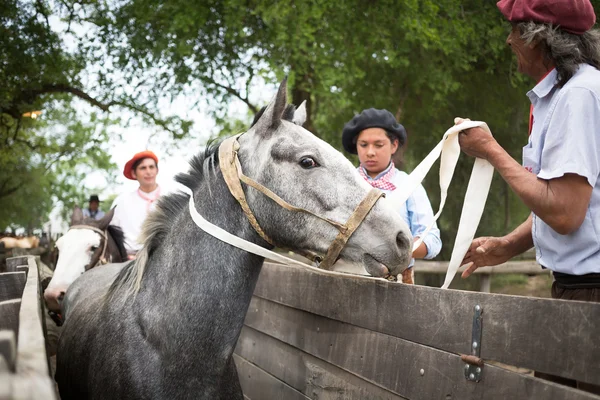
point(233, 176)
point(102, 257)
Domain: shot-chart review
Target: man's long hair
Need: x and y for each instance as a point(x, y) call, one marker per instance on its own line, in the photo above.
point(565, 50)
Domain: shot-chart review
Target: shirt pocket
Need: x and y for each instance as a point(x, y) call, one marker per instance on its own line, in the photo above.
point(531, 160)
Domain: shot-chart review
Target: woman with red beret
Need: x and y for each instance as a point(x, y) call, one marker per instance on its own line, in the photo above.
point(133, 207)
point(555, 45)
point(375, 136)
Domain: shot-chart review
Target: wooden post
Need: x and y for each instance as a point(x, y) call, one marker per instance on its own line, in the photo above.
point(485, 283)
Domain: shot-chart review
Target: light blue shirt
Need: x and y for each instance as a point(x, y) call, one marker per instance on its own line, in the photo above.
point(98, 216)
point(566, 139)
point(416, 212)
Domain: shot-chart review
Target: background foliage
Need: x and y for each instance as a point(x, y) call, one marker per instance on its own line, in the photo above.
point(426, 61)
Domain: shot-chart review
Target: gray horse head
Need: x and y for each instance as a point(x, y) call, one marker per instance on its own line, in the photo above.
point(309, 173)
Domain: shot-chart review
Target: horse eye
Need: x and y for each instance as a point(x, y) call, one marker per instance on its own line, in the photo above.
point(94, 248)
point(308, 163)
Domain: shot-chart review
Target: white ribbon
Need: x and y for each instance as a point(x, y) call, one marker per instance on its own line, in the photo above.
point(475, 198)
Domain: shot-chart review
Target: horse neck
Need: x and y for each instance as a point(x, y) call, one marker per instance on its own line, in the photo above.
point(206, 283)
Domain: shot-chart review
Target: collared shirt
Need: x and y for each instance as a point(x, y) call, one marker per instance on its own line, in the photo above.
point(416, 212)
point(565, 138)
point(130, 212)
point(87, 213)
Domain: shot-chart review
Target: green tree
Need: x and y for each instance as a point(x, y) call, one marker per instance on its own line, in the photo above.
point(44, 160)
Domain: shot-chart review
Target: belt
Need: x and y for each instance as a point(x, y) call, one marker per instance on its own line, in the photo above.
point(567, 281)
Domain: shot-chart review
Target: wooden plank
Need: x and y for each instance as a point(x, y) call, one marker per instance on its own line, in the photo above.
point(553, 336)
point(31, 349)
point(510, 267)
point(13, 262)
point(9, 315)
point(408, 369)
point(8, 348)
point(258, 384)
point(12, 285)
point(311, 376)
point(22, 268)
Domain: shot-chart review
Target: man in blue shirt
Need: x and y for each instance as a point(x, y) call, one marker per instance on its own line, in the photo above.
point(559, 181)
point(93, 210)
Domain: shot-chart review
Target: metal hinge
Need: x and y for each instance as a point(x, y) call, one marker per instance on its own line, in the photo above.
point(474, 364)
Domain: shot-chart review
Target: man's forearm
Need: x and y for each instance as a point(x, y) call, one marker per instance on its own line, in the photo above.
point(546, 199)
point(521, 238)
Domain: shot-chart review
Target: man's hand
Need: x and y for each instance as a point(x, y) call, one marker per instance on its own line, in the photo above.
point(486, 252)
point(476, 142)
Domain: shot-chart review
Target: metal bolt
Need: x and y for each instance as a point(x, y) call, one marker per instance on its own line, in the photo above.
point(477, 307)
point(472, 376)
point(422, 372)
point(474, 345)
point(478, 370)
point(466, 367)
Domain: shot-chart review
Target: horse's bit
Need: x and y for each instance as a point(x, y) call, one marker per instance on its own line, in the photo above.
point(233, 175)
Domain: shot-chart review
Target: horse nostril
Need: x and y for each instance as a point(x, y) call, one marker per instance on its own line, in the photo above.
point(61, 297)
point(402, 240)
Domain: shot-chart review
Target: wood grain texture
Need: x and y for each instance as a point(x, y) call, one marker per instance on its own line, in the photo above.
point(405, 368)
point(12, 285)
point(311, 376)
point(552, 336)
point(258, 384)
point(9, 315)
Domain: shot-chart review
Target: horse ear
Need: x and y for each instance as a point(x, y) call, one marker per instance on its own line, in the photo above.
point(77, 216)
point(300, 114)
point(105, 221)
point(271, 118)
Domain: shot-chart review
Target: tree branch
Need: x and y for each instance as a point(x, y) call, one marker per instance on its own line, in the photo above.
point(237, 94)
point(28, 96)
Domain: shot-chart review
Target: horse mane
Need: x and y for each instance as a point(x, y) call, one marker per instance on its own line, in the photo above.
point(119, 237)
point(159, 222)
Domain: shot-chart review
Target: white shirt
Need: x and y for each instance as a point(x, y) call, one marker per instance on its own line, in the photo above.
point(130, 213)
point(566, 139)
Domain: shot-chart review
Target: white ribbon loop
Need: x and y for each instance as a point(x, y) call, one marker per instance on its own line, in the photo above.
point(477, 191)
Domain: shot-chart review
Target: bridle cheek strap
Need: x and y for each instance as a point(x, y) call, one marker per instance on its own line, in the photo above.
point(357, 217)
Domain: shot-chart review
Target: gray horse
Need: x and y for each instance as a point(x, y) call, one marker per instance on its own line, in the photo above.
point(165, 326)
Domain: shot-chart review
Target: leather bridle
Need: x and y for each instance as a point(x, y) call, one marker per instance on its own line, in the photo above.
point(233, 175)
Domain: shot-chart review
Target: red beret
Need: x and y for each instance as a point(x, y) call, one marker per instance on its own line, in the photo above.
point(574, 16)
point(138, 156)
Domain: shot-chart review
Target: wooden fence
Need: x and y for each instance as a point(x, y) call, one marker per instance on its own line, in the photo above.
point(309, 335)
point(24, 372)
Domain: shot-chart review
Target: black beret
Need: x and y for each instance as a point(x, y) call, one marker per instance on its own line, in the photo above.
point(371, 118)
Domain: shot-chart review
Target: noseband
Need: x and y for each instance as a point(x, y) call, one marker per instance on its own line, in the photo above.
point(97, 258)
point(233, 175)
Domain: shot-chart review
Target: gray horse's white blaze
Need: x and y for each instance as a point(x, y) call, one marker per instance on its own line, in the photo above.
point(173, 335)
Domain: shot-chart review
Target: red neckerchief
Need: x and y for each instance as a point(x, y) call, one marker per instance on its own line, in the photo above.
point(531, 106)
point(383, 182)
point(149, 199)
